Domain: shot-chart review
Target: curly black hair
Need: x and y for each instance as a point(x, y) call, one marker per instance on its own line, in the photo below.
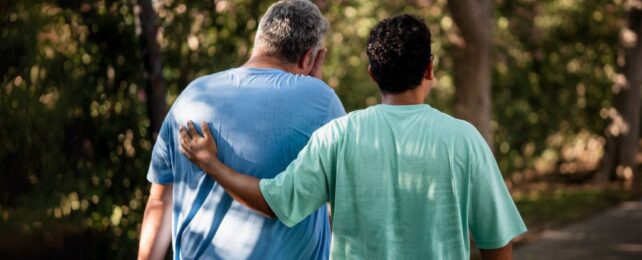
point(399, 53)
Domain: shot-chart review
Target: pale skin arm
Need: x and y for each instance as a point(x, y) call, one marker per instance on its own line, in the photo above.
point(202, 151)
point(504, 253)
point(155, 232)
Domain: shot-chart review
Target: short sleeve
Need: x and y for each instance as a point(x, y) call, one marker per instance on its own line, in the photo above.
point(335, 108)
point(160, 167)
point(303, 187)
point(493, 217)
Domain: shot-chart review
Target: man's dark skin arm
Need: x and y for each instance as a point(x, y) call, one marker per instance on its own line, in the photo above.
point(202, 151)
point(504, 253)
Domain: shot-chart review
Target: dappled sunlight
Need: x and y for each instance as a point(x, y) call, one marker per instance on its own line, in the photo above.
point(76, 135)
point(579, 154)
point(196, 111)
point(431, 191)
point(237, 232)
point(618, 125)
point(563, 235)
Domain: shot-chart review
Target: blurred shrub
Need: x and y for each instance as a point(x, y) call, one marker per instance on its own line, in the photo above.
point(74, 142)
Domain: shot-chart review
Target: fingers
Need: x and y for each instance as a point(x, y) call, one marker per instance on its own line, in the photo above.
point(184, 135)
point(206, 130)
point(186, 153)
point(185, 145)
point(185, 150)
point(192, 130)
point(185, 139)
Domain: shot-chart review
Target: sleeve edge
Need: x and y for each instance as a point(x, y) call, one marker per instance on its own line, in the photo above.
point(279, 215)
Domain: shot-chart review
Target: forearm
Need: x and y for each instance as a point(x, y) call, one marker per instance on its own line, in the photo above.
point(243, 188)
point(504, 253)
point(156, 228)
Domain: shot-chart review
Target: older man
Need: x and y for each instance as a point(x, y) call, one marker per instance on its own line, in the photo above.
point(266, 110)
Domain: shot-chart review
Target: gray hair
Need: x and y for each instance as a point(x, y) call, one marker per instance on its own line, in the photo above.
point(289, 28)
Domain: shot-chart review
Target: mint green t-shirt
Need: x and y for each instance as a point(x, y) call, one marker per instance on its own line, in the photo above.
point(404, 182)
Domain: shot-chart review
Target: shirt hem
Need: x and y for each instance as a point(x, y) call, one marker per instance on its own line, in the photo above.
point(502, 242)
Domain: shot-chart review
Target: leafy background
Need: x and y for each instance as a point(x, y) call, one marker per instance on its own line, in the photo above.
point(74, 129)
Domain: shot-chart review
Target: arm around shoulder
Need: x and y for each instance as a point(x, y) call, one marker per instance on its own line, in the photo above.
point(203, 152)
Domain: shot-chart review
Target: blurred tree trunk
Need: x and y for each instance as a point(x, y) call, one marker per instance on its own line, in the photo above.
point(153, 75)
point(472, 63)
point(622, 135)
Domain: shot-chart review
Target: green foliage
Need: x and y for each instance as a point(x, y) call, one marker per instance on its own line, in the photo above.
point(74, 140)
point(75, 128)
point(555, 63)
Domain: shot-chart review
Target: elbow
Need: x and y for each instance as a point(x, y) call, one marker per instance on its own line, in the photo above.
point(503, 253)
point(268, 213)
point(156, 205)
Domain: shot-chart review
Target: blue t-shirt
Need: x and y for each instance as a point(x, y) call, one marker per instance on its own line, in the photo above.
point(261, 119)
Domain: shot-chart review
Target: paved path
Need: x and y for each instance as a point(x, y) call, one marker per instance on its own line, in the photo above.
point(615, 234)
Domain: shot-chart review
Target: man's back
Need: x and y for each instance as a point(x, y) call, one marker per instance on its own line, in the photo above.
point(405, 182)
point(262, 118)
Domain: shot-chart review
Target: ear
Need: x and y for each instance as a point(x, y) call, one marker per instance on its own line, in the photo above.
point(428, 73)
point(370, 73)
point(305, 63)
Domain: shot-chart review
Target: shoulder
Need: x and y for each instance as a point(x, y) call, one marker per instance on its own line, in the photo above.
point(466, 139)
point(359, 114)
point(204, 83)
point(314, 85)
point(331, 132)
point(208, 80)
point(311, 88)
point(335, 126)
point(455, 127)
point(191, 101)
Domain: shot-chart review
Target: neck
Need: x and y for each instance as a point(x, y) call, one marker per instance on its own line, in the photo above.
point(262, 60)
point(409, 97)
